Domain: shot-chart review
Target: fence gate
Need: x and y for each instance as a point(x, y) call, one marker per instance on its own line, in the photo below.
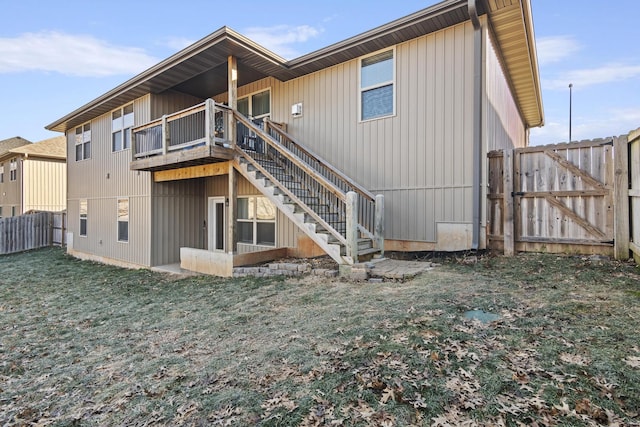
point(554, 198)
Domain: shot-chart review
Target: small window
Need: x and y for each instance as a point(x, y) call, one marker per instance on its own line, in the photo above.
point(256, 221)
point(1, 172)
point(121, 124)
point(13, 211)
point(83, 217)
point(0, 211)
point(13, 170)
point(123, 220)
point(377, 85)
point(83, 142)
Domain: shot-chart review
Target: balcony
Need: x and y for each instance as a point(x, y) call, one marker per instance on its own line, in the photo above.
point(194, 136)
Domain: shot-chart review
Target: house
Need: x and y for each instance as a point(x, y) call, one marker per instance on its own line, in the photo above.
point(33, 176)
point(226, 153)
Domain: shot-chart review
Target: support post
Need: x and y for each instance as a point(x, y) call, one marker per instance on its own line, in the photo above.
point(232, 211)
point(507, 203)
point(232, 76)
point(165, 135)
point(209, 121)
point(352, 225)
point(621, 197)
point(379, 223)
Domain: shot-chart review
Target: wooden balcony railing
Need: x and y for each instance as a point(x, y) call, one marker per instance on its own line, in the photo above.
point(202, 124)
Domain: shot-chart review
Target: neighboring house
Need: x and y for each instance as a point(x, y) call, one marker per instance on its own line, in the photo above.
point(225, 148)
point(32, 176)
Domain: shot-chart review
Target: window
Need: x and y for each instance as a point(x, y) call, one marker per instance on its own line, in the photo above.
point(83, 142)
point(256, 221)
point(121, 124)
point(0, 211)
point(1, 172)
point(123, 220)
point(377, 87)
point(257, 105)
point(83, 217)
point(13, 211)
point(13, 170)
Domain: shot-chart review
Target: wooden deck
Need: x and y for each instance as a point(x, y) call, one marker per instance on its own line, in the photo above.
point(189, 157)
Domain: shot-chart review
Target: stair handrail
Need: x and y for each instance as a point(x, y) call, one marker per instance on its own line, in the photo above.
point(289, 155)
point(354, 185)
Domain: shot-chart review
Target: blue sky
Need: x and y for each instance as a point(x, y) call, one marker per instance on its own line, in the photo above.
point(57, 56)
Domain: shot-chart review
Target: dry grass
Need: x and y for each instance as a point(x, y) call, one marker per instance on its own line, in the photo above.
point(87, 344)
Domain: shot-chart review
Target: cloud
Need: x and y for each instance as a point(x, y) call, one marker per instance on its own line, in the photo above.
point(613, 122)
point(594, 76)
point(555, 48)
point(280, 38)
point(75, 55)
point(177, 43)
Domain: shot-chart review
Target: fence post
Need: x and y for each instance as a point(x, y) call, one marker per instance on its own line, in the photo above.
point(507, 199)
point(379, 223)
point(352, 225)
point(209, 121)
point(621, 197)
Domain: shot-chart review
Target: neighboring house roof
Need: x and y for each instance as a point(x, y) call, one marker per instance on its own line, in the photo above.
point(52, 148)
point(202, 67)
point(7, 145)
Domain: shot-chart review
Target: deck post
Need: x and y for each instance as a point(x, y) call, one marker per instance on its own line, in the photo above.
point(621, 197)
point(352, 225)
point(232, 211)
point(165, 135)
point(209, 121)
point(379, 223)
point(232, 75)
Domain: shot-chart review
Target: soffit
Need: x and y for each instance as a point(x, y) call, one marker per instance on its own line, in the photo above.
point(512, 25)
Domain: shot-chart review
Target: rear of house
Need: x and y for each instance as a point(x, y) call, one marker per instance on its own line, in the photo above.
point(377, 142)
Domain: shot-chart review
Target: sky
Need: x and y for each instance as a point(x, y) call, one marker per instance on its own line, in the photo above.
point(56, 56)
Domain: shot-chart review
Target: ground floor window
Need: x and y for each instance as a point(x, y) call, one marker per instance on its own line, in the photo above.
point(256, 221)
point(83, 217)
point(123, 220)
point(13, 211)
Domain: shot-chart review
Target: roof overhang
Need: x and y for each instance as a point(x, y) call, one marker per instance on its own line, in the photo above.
point(512, 24)
point(201, 69)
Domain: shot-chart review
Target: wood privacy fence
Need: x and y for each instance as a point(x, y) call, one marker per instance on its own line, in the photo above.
point(570, 198)
point(32, 231)
point(634, 192)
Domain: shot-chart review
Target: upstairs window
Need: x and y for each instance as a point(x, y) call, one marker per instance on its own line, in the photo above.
point(83, 142)
point(83, 217)
point(123, 220)
point(13, 170)
point(377, 85)
point(1, 172)
point(121, 124)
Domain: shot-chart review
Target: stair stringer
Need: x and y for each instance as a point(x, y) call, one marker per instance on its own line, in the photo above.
point(321, 239)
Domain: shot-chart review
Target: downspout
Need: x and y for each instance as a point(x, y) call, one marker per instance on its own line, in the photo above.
point(477, 122)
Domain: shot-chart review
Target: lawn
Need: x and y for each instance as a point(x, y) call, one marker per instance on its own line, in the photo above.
point(88, 344)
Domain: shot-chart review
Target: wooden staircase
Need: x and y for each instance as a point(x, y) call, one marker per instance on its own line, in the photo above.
point(341, 217)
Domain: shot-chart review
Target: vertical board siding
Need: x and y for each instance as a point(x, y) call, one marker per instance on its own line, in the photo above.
point(170, 102)
point(103, 179)
point(503, 124)
point(421, 157)
point(45, 185)
point(179, 213)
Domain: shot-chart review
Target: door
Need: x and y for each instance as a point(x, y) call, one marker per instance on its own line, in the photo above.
point(216, 218)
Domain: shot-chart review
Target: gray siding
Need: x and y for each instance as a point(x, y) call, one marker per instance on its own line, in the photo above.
point(103, 179)
point(170, 102)
point(503, 124)
point(421, 158)
point(179, 212)
point(11, 191)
